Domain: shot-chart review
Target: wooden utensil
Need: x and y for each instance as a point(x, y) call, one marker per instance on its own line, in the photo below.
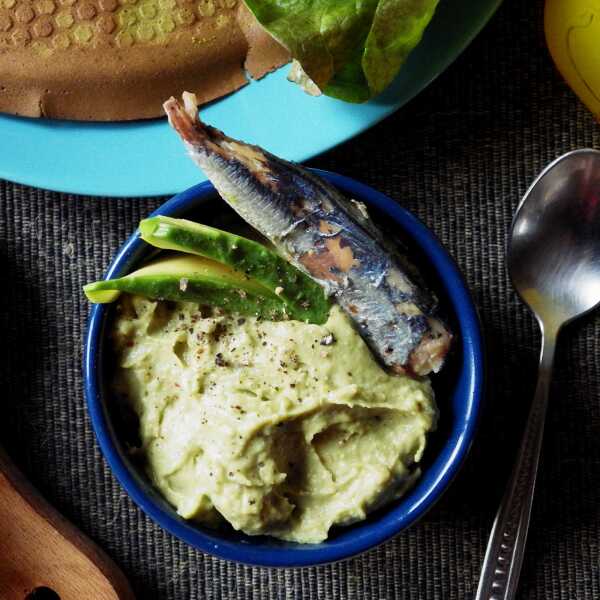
point(42, 555)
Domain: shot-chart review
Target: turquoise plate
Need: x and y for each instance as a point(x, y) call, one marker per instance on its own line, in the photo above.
point(145, 158)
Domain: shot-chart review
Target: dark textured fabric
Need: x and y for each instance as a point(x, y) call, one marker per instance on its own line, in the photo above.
point(460, 156)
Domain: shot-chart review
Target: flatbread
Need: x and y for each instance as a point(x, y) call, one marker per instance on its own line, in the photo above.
point(112, 60)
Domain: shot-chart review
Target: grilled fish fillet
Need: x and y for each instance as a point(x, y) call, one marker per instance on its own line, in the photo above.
point(325, 235)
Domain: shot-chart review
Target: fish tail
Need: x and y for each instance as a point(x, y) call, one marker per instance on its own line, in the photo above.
point(181, 120)
point(184, 119)
point(203, 141)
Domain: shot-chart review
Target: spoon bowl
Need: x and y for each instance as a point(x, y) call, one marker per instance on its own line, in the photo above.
point(554, 250)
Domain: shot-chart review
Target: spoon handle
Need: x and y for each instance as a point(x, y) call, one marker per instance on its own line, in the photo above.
point(504, 555)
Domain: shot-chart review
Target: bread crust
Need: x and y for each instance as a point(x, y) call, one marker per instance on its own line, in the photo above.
point(113, 60)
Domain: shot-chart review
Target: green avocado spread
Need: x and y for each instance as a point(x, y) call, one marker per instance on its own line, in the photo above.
point(280, 428)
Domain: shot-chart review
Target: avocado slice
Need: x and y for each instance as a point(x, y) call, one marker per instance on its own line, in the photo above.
point(304, 298)
point(193, 279)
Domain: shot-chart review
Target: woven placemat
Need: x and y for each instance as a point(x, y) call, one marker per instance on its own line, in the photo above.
point(459, 156)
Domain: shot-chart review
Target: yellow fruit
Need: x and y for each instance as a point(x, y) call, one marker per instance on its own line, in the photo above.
point(573, 36)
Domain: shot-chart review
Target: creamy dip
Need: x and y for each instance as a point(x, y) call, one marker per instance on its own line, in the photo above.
point(282, 428)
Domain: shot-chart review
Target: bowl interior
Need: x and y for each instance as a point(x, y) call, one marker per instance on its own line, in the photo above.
point(458, 391)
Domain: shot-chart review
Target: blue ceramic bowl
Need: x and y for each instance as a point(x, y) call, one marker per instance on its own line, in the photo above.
point(459, 391)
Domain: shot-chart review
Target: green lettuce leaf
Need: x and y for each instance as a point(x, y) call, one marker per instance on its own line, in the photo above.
point(350, 49)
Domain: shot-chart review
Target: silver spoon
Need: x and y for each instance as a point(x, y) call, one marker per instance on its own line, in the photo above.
point(554, 264)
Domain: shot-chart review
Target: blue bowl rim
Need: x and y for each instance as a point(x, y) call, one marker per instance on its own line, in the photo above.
point(412, 506)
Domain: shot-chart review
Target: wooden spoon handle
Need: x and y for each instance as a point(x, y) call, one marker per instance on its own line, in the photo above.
point(41, 549)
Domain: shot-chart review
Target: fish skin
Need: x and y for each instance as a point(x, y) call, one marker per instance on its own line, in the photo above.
point(328, 237)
